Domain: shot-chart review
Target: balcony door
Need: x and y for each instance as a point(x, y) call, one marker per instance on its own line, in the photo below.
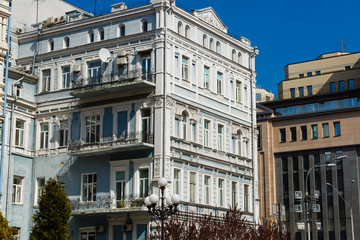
point(94, 72)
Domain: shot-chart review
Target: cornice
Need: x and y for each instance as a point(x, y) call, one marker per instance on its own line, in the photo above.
point(16, 74)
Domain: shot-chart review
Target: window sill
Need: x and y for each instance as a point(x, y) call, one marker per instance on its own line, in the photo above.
point(19, 204)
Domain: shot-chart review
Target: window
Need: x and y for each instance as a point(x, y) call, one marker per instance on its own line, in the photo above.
point(220, 137)
point(144, 182)
point(177, 127)
point(282, 135)
point(88, 235)
point(327, 156)
point(180, 28)
point(145, 124)
point(309, 74)
point(301, 91)
point(19, 133)
point(120, 185)
point(332, 87)
point(187, 32)
point(309, 90)
point(233, 55)
point(239, 141)
point(218, 47)
point(40, 183)
point(146, 67)
point(94, 72)
point(204, 41)
point(246, 198)
point(207, 189)
point(44, 135)
point(193, 187)
point(18, 90)
point(91, 36)
point(337, 129)
point(46, 75)
point(144, 25)
point(193, 132)
point(206, 77)
point(17, 190)
point(292, 92)
point(184, 125)
point(101, 34)
point(51, 45)
point(341, 86)
point(193, 72)
point(245, 95)
point(64, 132)
point(293, 133)
point(258, 96)
point(314, 129)
point(303, 133)
point(325, 130)
point(66, 42)
point(177, 181)
point(65, 77)
point(239, 58)
point(17, 236)
point(318, 72)
point(347, 68)
point(122, 30)
point(233, 194)
point(301, 75)
point(238, 91)
point(88, 193)
point(206, 133)
point(211, 44)
point(221, 192)
point(350, 84)
point(185, 68)
point(92, 129)
point(219, 82)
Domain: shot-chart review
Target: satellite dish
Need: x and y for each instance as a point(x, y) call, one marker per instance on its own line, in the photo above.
point(104, 55)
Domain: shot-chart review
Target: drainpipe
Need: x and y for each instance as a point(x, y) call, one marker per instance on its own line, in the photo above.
point(252, 56)
point(4, 106)
point(172, 4)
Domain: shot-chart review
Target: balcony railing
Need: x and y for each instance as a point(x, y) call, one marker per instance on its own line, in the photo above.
point(107, 202)
point(114, 141)
point(112, 79)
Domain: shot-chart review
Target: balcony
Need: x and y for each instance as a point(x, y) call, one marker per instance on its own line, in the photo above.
point(132, 80)
point(108, 204)
point(113, 144)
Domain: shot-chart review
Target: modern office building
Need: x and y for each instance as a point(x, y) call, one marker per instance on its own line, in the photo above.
point(111, 103)
point(315, 120)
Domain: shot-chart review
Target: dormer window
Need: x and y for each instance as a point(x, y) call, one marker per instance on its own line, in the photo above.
point(144, 25)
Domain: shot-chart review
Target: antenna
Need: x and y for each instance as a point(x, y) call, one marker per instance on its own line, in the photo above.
point(104, 55)
point(342, 45)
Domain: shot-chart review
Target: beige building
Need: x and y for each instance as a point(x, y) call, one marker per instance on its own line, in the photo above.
point(298, 132)
point(263, 95)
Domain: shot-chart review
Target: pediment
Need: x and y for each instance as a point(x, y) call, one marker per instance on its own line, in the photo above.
point(209, 15)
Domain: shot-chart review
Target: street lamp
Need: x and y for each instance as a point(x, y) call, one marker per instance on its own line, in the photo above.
point(351, 212)
point(307, 197)
point(164, 211)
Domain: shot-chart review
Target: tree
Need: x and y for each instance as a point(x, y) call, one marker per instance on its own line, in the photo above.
point(232, 225)
point(6, 232)
point(51, 221)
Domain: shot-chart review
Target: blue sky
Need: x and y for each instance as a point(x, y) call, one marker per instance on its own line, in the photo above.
point(284, 31)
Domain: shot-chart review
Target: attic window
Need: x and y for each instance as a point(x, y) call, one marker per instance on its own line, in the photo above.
point(144, 25)
point(51, 45)
point(66, 42)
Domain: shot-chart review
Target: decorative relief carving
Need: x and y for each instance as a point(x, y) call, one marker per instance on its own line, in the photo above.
point(157, 167)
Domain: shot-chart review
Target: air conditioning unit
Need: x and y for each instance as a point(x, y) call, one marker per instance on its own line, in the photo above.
point(19, 30)
point(127, 228)
point(316, 208)
point(298, 208)
point(77, 68)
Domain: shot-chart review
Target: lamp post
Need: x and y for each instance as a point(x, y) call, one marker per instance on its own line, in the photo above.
point(351, 212)
point(308, 197)
point(164, 211)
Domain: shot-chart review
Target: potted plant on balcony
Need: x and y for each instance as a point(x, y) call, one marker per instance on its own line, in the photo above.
point(120, 203)
point(138, 202)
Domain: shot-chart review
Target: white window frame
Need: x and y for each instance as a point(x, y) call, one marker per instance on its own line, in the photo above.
point(38, 189)
point(177, 182)
point(91, 185)
point(219, 82)
point(206, 78)
point(234, 194)
point(65, 43)
point(238, 91)
point(194, 191)
point(194, 135)
point(207, 133)
point(45, 80)
point(246, 198)
point(207, 189)
point(66, 131)
point(65, 78)
point(44, 135)
point(139, 181)
point(86, 127)
point(185, 68)
point(21, 131)
point(221, 192)
point(118, 166)
point(88, 231)
point(220, 137)
point(17, 196)
point(185, 125)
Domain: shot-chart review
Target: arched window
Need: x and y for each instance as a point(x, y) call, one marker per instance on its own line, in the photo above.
point(101, 34)
point(180, 28)
point(144, 25)
point(211, 44)
point(66, 42)
point(218, 47)
point(238, 142)
point(204, 41)
point(239, 58)
point(91, 36)
point(184, 124)
point(187, 31)
point(51, 45)
point(233, 57)
point(122, 30)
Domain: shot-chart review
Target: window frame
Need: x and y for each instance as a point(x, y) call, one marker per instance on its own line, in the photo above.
point(65, 77)
point(221, 200)
point(101, 34)
point(220, 137)
point(238, 94)
point(293, 134)
point(206, 77)
point(207, 189)
point(44, 135)
point(207, 133)
point(185, 68)
point(303, 132)
point(17, 195)
point(92, 185)
point(51, 45)
point(66, 42)
point(21, 133)
point(219, 82)
point(337, 129)
point(63, 133)
point(39, 189)
point(122, 30)
point(313, 126)
point(87, 129)
point(282, 135)
point(177, 181)
point(234, 194)
point(91, 36)
point(246, 197)
point(146, 185)
point(193, 191)
point(45, 80)
point(326, 132)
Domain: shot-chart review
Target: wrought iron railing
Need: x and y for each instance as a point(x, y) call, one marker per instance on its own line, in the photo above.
point(111, 79)
point(122, 139)
point(107, 202)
